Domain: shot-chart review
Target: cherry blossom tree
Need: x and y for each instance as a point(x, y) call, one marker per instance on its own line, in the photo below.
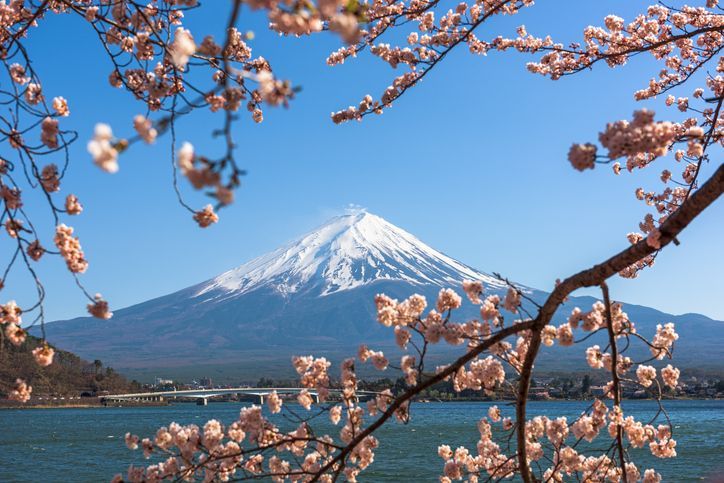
point(152, 54)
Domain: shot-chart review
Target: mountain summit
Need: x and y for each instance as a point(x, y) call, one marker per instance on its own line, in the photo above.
point(345, 253)
point(313, 295)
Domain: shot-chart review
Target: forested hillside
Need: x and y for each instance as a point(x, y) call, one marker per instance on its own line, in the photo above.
point(68, 375)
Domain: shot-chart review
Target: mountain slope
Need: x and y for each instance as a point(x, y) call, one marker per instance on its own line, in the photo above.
point(346, 253)
point(314, 295)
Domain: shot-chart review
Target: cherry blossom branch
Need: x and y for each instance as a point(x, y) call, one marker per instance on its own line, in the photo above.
point(614, 375)
point(521, 402)
point(413, 391)
point(677, 222)
point(670, 229)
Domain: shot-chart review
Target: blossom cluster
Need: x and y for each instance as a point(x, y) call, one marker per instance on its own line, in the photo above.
point(70, 249)
point(683, 41)
point(438, 30)
point(21, 392)
point(218, 453)
point(242, 448)
point(152, 53)
point(567, 460)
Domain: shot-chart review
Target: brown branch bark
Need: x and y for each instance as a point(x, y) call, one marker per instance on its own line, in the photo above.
point(410, 393)
point(675, 224)
point(614, 377)
point(38, 13)
point(521, 403)
point(690, 209)
point(596, 275)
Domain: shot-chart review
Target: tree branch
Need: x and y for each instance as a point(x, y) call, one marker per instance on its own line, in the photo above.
point(614, 376)
point(410, 393)
point(675, 224)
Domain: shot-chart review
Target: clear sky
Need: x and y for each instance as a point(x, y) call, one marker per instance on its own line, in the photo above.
point(473, 162)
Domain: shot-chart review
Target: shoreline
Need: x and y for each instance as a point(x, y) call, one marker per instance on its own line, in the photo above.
point(5, 404)
point(89, 405)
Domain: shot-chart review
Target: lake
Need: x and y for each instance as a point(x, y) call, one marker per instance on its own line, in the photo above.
point(86, 445)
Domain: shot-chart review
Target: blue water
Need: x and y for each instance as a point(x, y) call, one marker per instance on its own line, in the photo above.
point(86, 445)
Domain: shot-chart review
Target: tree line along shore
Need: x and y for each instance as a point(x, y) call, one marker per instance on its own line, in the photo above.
point(74, 382)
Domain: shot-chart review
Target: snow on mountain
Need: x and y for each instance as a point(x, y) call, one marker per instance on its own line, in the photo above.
point(347, 252)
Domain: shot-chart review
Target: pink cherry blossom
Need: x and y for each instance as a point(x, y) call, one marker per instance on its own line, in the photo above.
point(43, 355)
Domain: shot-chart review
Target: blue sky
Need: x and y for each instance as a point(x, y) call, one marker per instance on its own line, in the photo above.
point(473, 162)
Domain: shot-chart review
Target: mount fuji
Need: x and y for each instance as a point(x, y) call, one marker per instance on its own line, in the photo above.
point(313, 295)
point(346, 253)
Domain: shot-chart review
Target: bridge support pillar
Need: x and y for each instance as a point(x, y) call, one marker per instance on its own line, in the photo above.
point(202, 401)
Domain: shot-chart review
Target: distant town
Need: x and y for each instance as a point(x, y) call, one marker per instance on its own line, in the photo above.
point(78, 383)
point(542, 388)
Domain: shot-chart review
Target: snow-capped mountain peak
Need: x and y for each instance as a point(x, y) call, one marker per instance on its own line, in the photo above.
point(348, 251)
point(312, 296)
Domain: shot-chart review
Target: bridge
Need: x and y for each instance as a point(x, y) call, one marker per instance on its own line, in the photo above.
point(202, 395)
